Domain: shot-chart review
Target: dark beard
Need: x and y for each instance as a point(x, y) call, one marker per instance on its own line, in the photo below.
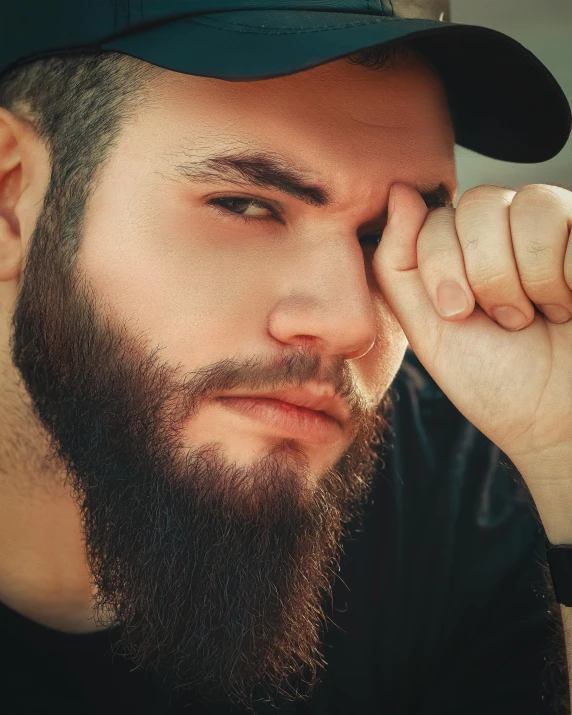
point(214, 574)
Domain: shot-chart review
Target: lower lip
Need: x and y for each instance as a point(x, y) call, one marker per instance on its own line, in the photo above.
point(292, 420)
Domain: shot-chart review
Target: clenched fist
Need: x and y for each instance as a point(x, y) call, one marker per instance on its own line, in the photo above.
point(483, 293)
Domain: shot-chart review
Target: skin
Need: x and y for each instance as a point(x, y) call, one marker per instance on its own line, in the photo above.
point(164, 274)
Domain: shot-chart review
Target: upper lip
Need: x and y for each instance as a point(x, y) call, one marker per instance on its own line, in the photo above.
point(321, 400)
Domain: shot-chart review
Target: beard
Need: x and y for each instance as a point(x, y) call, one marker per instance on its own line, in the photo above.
point(213, 575)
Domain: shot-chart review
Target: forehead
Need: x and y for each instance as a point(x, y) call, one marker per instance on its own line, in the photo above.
point(346, 123)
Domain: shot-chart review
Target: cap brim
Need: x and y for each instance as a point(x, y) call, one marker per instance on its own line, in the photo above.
point(504, 102)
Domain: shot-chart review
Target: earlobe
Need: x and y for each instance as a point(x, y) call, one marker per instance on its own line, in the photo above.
point(10, 253)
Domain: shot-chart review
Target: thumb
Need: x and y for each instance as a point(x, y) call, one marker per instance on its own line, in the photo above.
point(395, 262)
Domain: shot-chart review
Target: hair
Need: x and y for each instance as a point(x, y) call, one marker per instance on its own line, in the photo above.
point(79, 102)
point(77, 105)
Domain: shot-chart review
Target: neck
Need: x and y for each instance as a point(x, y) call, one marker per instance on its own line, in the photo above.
point(43, 572)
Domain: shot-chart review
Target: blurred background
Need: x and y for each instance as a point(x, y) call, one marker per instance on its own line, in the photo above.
point(545, 28)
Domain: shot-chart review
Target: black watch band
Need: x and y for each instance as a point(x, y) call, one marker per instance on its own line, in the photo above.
point(560, 563)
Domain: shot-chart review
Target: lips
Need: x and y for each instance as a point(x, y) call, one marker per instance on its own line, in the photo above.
point(294, 421)
point(319, 398)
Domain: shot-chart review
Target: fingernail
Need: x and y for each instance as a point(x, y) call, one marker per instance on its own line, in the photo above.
point(555, 313)
point(452, 299)
point(509, 318)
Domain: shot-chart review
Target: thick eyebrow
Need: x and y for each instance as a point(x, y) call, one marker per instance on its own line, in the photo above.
point(270, 171)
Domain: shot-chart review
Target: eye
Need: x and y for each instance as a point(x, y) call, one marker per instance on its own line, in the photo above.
point(238, 205)
point(371, 239)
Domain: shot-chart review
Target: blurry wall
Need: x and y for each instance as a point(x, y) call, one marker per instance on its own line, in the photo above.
point(545, 28)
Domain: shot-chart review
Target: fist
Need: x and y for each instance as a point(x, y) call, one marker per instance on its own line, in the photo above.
point(483, 293)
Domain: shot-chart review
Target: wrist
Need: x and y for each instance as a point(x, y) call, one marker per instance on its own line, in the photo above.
point(549, 480)
point(555, 512)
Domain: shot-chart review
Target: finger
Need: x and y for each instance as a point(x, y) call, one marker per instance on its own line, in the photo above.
point(482, 221)
point(541, 222)
point(395, 265)
point(406, 214)
point(442, 266)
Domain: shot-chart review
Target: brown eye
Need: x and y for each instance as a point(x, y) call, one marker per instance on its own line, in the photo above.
point(239, 205)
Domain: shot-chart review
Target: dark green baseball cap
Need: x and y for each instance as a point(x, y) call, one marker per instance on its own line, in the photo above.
point(504, 102)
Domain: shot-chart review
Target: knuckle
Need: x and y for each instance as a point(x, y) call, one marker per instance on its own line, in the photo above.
point(441, 216)
point(439, 227)
point(485, 193)
point(539, 278)
point(540, 288)
point(488, 280)
point(434, 265)
point(531, 197)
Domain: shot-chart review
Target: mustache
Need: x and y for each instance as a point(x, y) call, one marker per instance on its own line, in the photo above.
point(292, 370)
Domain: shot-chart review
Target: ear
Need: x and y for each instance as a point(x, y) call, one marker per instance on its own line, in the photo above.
point(19, 176)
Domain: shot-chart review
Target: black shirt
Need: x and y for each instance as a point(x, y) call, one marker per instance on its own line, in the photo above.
point(440, 609)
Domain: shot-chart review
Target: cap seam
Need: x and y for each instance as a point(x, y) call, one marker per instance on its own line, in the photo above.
point(254, 29)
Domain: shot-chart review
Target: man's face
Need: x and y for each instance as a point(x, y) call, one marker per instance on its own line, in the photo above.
point(212, 532)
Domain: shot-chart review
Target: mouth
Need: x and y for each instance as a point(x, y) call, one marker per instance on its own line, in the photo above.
point(294, 421)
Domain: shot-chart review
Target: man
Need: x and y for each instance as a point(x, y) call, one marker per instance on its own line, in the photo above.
point(201, 330)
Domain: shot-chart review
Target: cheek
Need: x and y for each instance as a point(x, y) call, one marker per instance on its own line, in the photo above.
point(206, 284)
point(158, 266)
point(378, 368)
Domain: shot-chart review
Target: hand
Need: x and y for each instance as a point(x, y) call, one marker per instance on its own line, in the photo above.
point(503, 248)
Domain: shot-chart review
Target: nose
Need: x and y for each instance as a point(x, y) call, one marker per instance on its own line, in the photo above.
point(326, 299)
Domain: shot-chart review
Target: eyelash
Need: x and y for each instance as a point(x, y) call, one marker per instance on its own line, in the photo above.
point(221, 201)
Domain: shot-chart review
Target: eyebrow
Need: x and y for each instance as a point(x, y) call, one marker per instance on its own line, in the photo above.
point(266, 170)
